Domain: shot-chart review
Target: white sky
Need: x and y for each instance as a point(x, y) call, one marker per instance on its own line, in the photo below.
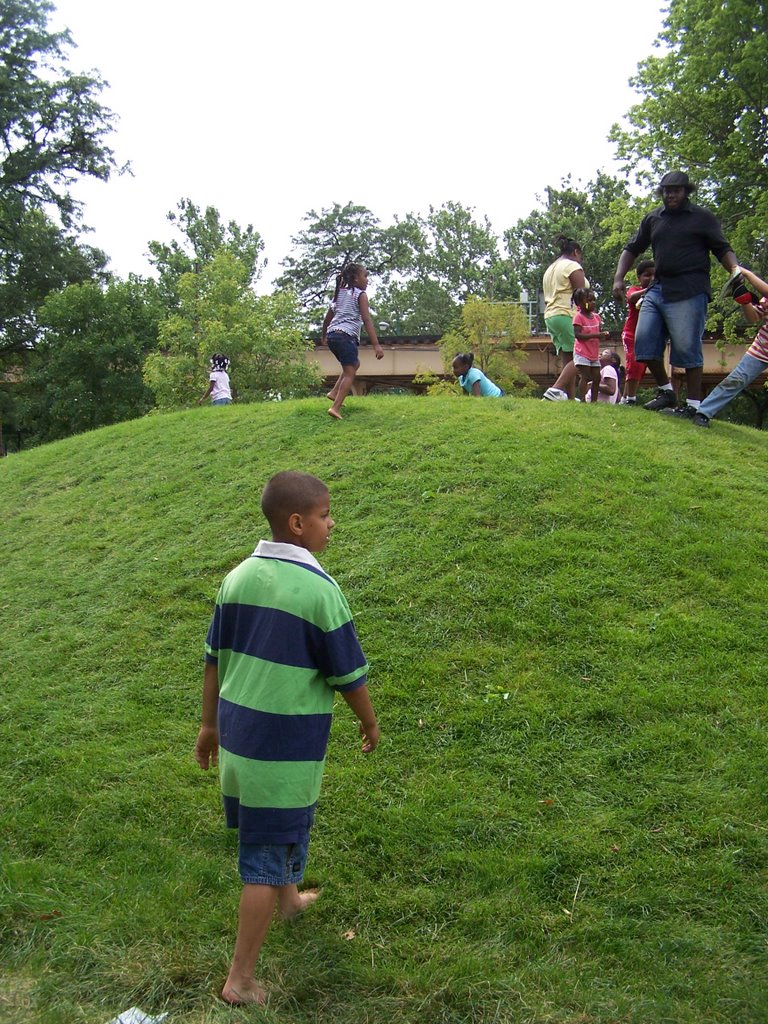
point(267, 110)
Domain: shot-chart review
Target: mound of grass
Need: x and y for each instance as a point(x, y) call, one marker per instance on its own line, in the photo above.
point(566, 821)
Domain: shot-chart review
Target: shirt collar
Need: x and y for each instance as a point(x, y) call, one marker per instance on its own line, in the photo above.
point(289, 552)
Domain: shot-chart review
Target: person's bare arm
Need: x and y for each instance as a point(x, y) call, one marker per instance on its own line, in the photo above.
point(370, 330)
point(360, 702)
point(207, 745)
point(626, 260)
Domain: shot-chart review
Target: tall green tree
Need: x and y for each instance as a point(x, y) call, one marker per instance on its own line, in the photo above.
point(594, 214)
point(53, 130)
point(704, 109)
point(264, 336)
point(203, 236)
point(86, 370)
point(346, 234)
point(52, 126)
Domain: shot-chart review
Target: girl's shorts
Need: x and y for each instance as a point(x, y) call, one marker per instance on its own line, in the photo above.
point(583, 361)
point(221, 401)
point(344, 347)
point(273, 863)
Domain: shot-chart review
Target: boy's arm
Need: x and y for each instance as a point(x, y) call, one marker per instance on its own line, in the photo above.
point(207, 745)
point(360, 702)
point(370, 330)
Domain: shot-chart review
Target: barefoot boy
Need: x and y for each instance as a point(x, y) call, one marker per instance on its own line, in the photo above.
point(280, 644)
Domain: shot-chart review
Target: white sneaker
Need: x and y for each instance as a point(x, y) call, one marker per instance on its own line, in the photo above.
point(555, 395)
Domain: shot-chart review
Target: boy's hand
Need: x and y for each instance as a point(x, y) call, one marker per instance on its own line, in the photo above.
point(207, 747)
point(371, 735)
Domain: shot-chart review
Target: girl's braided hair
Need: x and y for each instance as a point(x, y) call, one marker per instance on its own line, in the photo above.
point(346, 277)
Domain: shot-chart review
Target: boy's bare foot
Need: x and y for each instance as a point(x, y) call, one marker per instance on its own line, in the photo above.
point(336, 415)
point(243, 993)
point(306, 898)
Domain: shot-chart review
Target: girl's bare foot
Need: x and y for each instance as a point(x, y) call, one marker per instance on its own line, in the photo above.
point(243, 992)
point(336, 415)
point(291, 910)
point(332, 395)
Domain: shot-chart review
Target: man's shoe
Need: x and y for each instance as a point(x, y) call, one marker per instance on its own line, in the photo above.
point(683, 412)
point(664, 399)
point(555, 395)
point(700, 420)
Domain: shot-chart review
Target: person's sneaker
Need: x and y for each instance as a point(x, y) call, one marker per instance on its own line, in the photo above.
point(665, 399)
point(555, 395)
point(683, 412)
point(700, 420)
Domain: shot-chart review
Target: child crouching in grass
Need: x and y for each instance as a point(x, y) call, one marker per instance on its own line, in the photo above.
point(280, 645)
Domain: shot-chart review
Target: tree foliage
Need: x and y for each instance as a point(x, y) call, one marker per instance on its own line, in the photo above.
point(86, 370)
point(52, 125)
point(705, 110)
point(204, 236)
point(52, 131)
point(264, 336)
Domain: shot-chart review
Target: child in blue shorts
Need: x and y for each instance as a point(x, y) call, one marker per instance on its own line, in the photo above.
point(280, 645)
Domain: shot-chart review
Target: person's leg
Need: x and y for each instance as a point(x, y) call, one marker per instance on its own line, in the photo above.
point(593, 381)
point(693, 382)
point(291, 902)
point(740, 377)
point(257, 904)
point(344, 386)
point(686, 321)
point(567, 379)
point(335, 389)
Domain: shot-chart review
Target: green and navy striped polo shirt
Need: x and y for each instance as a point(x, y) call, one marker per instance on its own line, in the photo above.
point(283, 638)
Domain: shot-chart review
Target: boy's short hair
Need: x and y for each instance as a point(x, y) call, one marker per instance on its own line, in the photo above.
point(289, 492)
point(644, 265)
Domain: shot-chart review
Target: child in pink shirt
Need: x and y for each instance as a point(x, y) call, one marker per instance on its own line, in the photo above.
point(586, 351)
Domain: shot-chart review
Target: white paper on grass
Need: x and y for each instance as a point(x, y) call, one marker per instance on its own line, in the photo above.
point(137, 1016)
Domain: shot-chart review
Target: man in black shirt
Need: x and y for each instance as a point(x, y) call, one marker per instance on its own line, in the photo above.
point(681, 236)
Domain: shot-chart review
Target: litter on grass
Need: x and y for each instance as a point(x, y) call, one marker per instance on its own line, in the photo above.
point(137, 1016)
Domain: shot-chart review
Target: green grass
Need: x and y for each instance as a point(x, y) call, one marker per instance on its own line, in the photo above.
point(566, 821)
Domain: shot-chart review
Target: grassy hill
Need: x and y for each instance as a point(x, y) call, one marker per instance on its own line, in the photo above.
point(565, 613)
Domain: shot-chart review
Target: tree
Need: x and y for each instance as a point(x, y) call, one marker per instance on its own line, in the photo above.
point(86, 370)
point(204, 236)
point(52, 126)
point(415, 307)
point(462, 254)
point(42, 258)
point(264, 336)
point(705, 110)
point(52, 131)
point(595, 215)
point(492, 331)
point(331, 239)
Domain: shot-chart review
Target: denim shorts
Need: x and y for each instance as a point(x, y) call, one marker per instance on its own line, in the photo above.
point(273, 863)
point(583, 361)
point(221, 401)
point(681, 322)
point(344, 347)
